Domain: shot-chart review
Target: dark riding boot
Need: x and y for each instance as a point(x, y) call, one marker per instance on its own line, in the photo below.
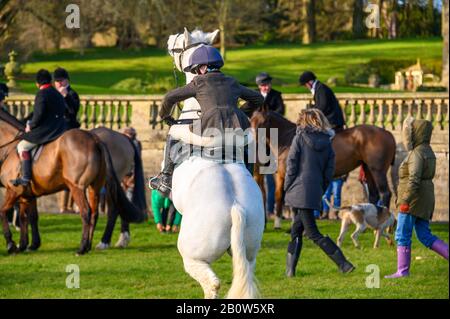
point(294, 250)
point(163, 181)
point(335, 254)
point(25, 179)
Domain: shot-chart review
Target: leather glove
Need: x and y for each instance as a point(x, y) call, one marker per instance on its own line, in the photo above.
point(404, 208)
point(169, 120)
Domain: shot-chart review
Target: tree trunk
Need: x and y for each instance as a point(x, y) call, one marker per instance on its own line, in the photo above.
point(224, 6)
point(309, 22)
point(445, 52)
point(358, 19)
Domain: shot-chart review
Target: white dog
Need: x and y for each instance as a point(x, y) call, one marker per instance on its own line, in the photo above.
point(363, 215)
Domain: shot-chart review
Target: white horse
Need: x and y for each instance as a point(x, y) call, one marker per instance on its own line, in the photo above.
point(221, 204)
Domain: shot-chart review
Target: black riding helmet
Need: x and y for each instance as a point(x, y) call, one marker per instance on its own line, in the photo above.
point(204, 55)
point(3, 91)
point(60, 74)
point(263, 78)
point(306, 77)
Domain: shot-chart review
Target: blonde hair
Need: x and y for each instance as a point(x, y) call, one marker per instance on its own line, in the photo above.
point(313, 119)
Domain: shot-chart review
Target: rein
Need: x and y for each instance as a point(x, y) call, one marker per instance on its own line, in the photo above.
point(175, 75)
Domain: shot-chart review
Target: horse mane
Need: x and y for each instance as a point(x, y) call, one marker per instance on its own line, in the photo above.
point(11, 120)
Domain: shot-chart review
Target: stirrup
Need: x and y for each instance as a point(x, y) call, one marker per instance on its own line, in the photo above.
point(20, 182)
point(157, 184)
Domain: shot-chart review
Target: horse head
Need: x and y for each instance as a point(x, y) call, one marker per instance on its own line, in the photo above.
point(182, 45)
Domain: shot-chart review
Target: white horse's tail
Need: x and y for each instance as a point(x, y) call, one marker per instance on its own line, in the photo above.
point(244, 284)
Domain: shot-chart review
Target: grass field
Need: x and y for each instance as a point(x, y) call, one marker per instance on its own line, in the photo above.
point(100, 69)
point(152, 268)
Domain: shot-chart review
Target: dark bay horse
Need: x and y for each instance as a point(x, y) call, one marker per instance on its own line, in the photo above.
point(367, 145)
point(77, 161)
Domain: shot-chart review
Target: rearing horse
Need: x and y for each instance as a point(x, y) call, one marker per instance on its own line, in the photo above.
point(367, 145)
point(77, 160)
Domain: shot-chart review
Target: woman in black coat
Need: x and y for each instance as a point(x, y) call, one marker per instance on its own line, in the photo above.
point(310, 168)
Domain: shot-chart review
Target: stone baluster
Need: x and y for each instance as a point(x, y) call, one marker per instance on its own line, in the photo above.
point(429, 106)
point(103, 108)
point(445, 106)
point(111, 109)
point(410, 107)
point(420, 107)
point(362, 111)
point(380, 117)
point(128, 110)
point(85, 117)
point(399, 121)
point(439, 116)
point(117, 121)
point(93, 121)
point(352, 119)
point(390, 115)
point(371, 104)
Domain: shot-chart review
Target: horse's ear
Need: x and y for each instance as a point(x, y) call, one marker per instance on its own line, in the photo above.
point(211, 37)
point(187, 37)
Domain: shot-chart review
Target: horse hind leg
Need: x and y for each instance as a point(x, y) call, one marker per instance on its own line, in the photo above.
point(10, 199)
point(80, 199)
point(94, 198)
point(33, 220)
point(24, 213)
point(204, 275)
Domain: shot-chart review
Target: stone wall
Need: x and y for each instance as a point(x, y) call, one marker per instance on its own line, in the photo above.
point(387, 110)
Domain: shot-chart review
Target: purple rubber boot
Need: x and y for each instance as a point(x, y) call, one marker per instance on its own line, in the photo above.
point(441, 248)
point(403, 262)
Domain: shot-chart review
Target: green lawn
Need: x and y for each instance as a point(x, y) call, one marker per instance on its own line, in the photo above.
point(152, 268)
point(100, 69)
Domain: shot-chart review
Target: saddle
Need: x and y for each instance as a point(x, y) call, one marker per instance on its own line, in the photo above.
point(222, 155)
point(36, 152)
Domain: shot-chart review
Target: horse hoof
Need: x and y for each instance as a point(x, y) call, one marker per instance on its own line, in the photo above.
point(102, 246)
point(12, 248)
point(124, 240)
point(34, 247)
point(22, 248)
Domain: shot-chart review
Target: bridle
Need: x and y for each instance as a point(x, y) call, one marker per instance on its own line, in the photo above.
point(181, 52)
point(180, 63)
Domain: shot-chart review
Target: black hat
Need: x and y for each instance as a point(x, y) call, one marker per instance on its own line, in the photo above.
point(306, 77)
point(43, 77)
point(60, 74)
point(263, 78)
point(3, 91)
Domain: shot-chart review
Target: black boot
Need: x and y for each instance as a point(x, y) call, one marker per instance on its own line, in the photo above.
point(26, 174)
point(294, 249)
point(335, 254)
point(163, 182)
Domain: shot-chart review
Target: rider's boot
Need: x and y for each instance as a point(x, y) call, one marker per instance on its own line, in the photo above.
point(163, 181)
point(25, 161)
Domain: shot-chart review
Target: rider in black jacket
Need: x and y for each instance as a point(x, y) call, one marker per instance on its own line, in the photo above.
point(324, 100)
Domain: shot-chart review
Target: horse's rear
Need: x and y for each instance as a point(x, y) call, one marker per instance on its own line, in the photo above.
point(222, 208)
point(370, 146)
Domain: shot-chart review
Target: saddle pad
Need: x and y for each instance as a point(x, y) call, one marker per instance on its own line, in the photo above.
point(36, 152)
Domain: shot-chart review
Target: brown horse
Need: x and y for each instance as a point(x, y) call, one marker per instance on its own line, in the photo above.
point(125, 158)
point(77, 161)
point(366, 145)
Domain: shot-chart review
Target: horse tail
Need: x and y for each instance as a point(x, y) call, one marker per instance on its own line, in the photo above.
point(114, 191)
point(138, 197)
point(244, 283)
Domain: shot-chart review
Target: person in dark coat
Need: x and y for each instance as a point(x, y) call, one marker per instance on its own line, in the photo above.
point(218, 97)
point(273, 101)
point(62, 84)
point(324, 100)
point(46, 125)
point(309, 171)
